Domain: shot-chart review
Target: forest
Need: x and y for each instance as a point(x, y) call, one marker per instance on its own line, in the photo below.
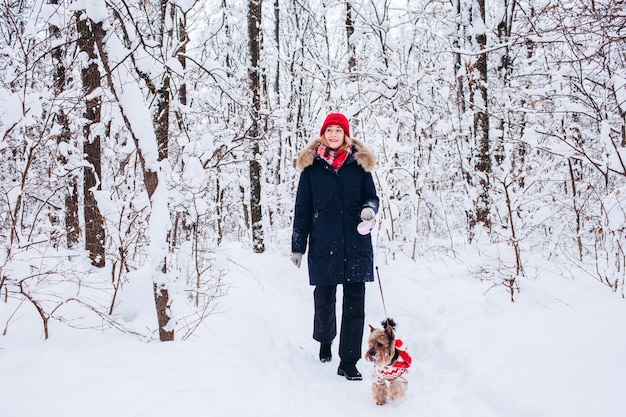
point(139, 137)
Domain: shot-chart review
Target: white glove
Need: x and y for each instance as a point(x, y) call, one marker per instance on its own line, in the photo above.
point(296, 258)
point(367, 214)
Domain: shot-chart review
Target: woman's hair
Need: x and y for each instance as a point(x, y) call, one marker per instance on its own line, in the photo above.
point(346, 144)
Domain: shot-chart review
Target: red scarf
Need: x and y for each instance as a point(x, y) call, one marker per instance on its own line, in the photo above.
point(335, 159)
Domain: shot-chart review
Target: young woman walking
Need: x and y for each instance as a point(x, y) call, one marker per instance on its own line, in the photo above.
point(335, 193)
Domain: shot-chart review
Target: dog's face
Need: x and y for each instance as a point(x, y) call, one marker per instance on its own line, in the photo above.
point(381, 344)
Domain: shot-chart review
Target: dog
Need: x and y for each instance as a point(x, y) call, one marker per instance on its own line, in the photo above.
point(391, 362)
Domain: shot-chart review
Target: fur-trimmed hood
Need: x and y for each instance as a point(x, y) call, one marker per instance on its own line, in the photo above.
point(362, 154)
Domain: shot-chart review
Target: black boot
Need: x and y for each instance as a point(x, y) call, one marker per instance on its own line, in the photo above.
point(348, 369)
point(325, 353)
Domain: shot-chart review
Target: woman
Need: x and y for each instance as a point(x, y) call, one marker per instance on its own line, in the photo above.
point(335, 193)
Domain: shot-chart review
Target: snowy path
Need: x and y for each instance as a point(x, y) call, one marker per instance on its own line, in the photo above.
point(559, 351)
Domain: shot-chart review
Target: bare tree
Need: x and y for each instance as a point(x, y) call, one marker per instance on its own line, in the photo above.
point(471, 14)
point(72, 222)
point(91, 32)
point(254, 133)
point(349, 33)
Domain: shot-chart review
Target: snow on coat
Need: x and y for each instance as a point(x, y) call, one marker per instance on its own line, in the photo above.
point(327, 213)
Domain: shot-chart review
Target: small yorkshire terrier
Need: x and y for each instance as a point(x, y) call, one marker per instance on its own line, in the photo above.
point(391, 362)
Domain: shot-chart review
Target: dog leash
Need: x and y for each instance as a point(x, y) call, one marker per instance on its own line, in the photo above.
point(364, 228)
point(382, 296)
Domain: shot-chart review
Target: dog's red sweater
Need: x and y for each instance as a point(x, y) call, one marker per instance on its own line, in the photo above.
point(398, 368)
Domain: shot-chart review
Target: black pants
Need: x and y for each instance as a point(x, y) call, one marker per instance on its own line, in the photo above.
point(352, 319)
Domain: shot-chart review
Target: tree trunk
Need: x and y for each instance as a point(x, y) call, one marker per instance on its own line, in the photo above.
point(481, 158)
point(182, 39)
point(94, 230)
point(280, 159)
point(161, 122)
point(349, 33)
point(72, 222)
point(277, 40)
point(161, 128)
point(505, 68)
point(254, 47)
point(458, 61)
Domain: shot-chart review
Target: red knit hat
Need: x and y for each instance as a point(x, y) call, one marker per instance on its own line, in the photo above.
point(336, 119)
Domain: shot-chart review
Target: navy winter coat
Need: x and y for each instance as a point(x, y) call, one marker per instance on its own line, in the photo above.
point(327, 212)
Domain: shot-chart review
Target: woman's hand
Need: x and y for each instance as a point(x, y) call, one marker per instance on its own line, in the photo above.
point(367, 214)
point(296, 258)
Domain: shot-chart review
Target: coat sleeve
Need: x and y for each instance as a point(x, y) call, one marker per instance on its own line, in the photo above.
point(302, 214)
point(369, 197)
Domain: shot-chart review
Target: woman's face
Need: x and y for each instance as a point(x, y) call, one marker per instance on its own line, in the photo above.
point(335, 136)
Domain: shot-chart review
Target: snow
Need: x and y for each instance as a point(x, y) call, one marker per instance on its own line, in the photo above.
point(134, 105)
point(559, 350)
point(95, 9)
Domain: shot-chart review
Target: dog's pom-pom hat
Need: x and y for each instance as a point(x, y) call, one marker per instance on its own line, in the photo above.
point(389, 322)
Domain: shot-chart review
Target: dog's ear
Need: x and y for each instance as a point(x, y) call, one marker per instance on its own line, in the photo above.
point(371, 328)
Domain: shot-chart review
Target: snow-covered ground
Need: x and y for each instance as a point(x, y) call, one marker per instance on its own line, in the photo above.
point(558, 351)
